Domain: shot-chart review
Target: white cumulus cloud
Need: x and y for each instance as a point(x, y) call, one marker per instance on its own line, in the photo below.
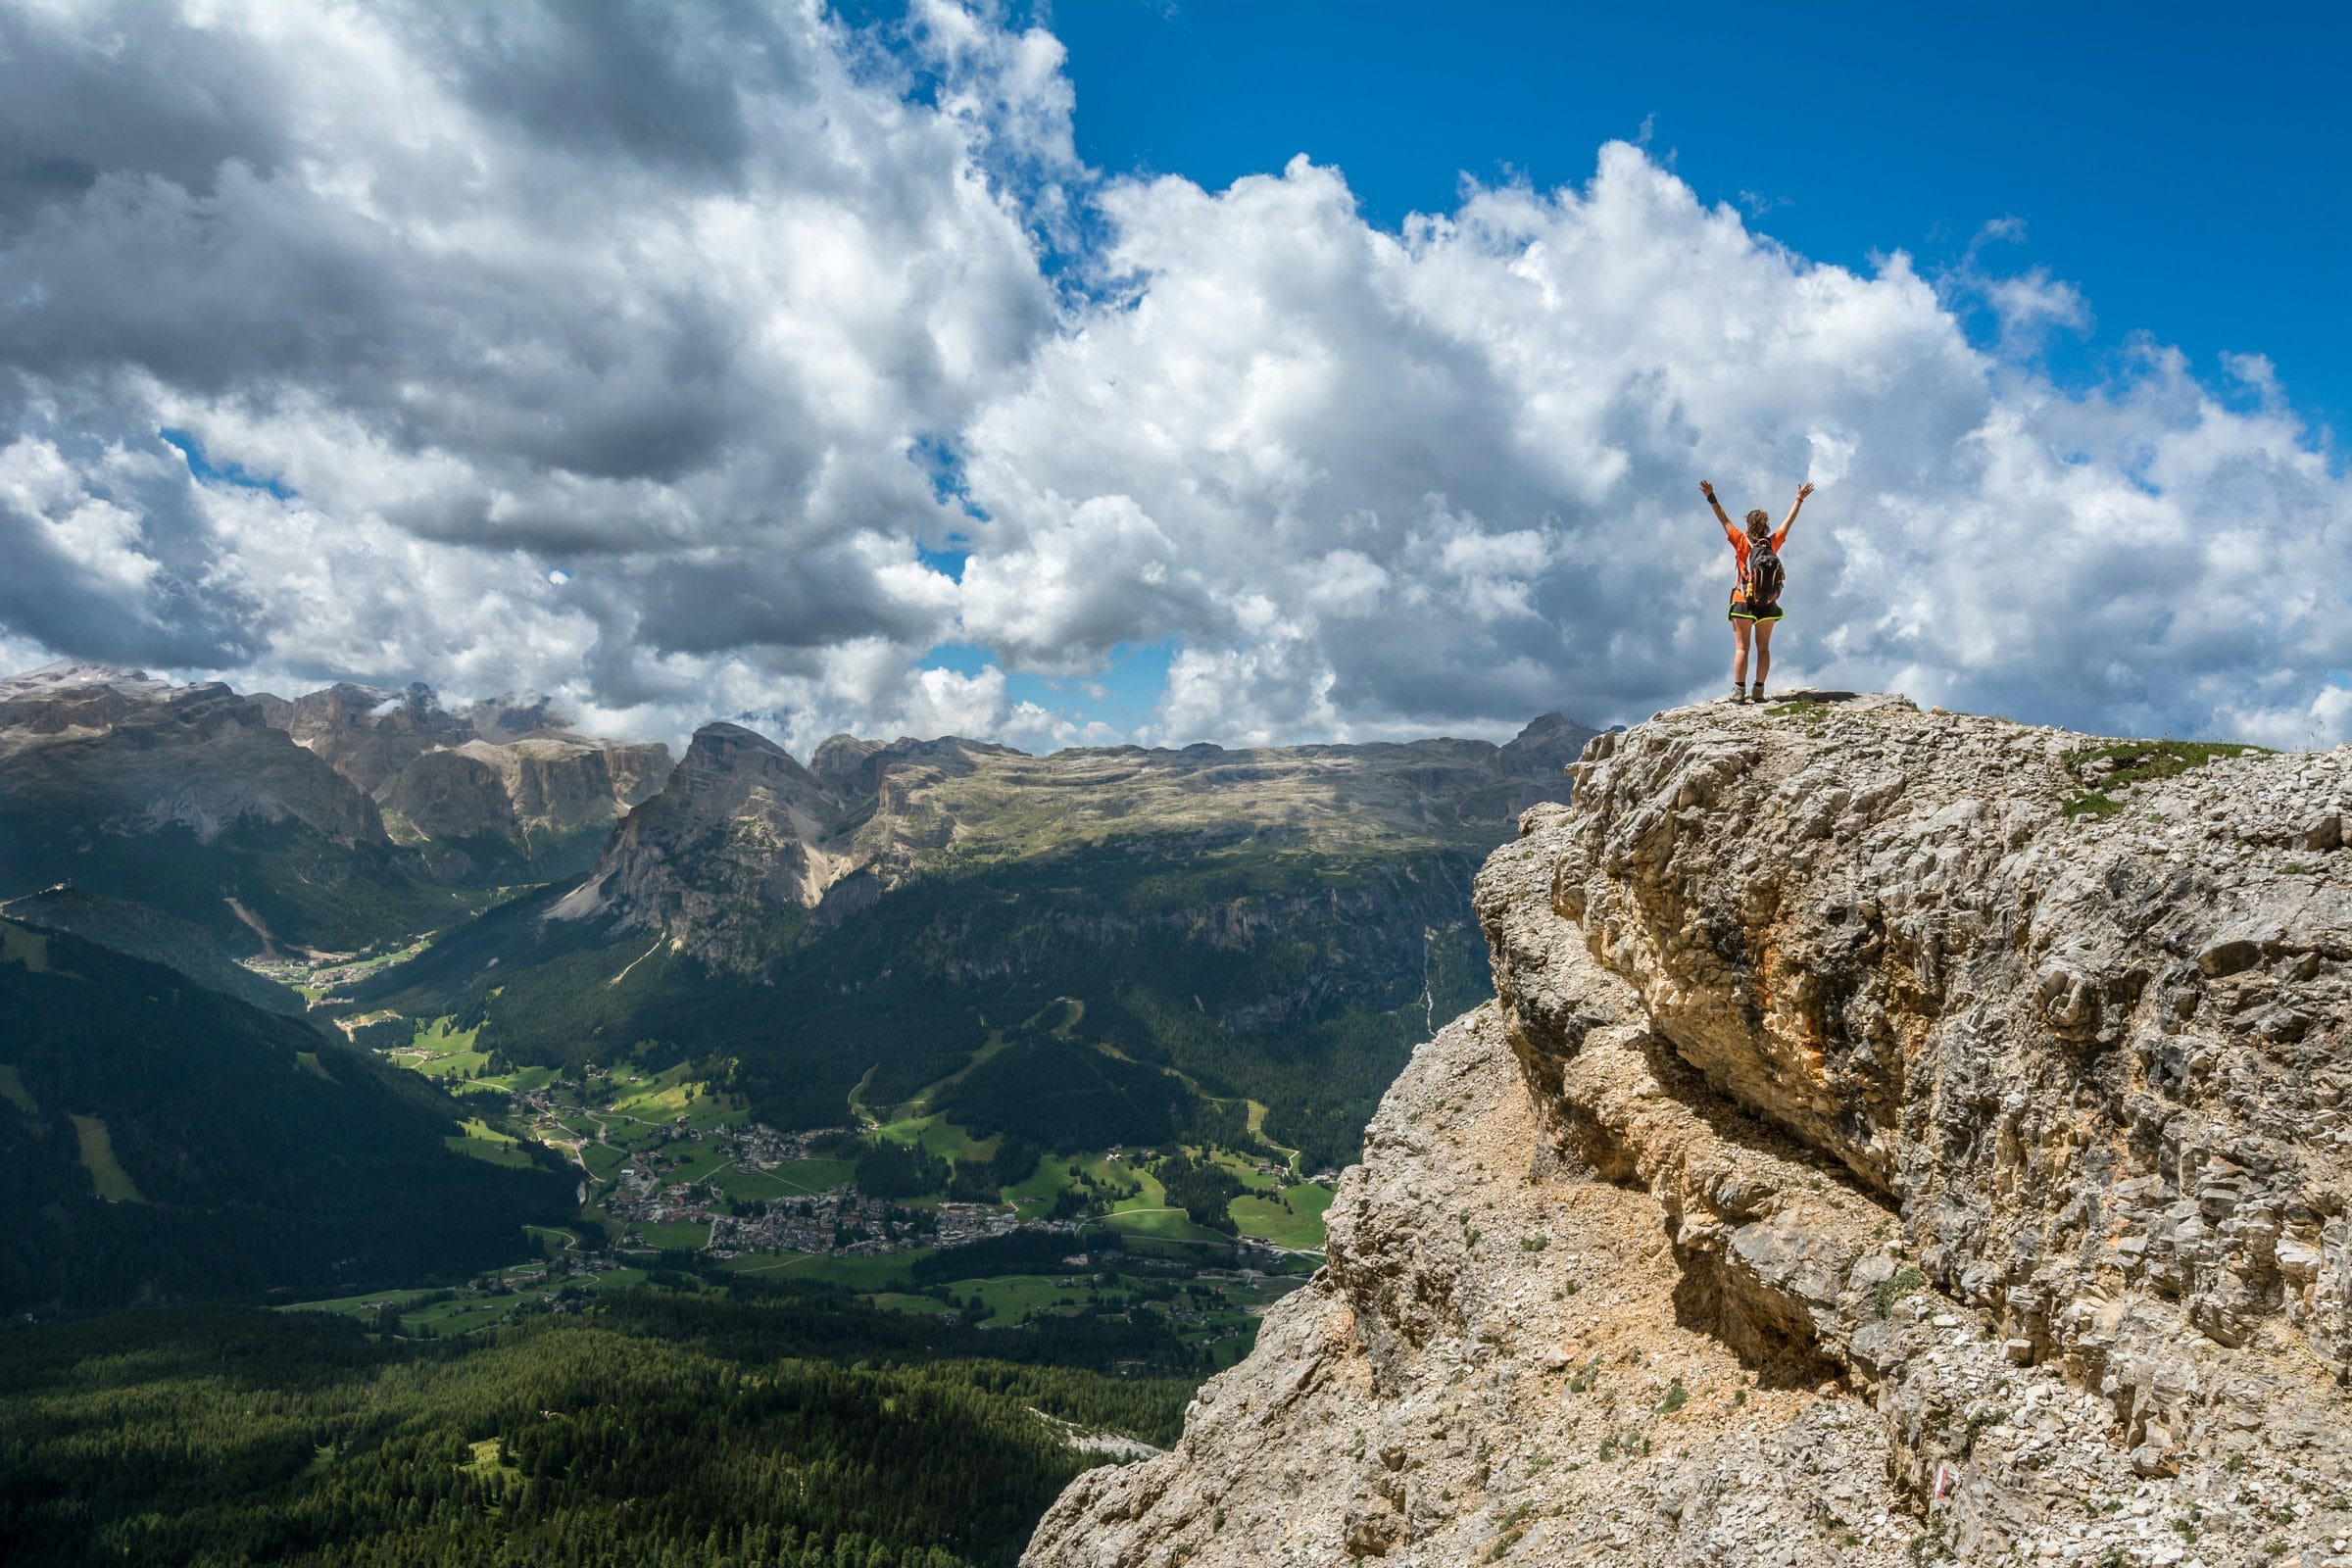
point(638, 354)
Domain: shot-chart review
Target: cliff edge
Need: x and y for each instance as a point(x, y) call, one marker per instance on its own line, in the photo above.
point(1898, 1136)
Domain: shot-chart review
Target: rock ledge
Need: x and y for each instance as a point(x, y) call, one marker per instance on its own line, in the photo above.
point(1898, 1136)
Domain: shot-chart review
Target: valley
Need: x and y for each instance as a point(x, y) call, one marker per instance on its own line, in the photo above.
point(540, 1130)
point(678, 1182)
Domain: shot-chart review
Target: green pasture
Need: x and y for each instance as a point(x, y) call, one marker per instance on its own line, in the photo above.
point(876, 1272)
point(13, 1090)
point(1145, 1214)
point(636, 1135)
point(1033, 1198)
point(938, 1136)
point(489, 1458)
point(1242, 1170)
point(441, 1050)
point(1301, 1227)
point(693, 1162)
point(689, 1234)
point(363, 1302)
point(806, 1177)
point(112, 1182)
point(445, 1319)
point(613, 1279)
point(1168, 1224)
point(1109, 1171)
point(753, 1185)
point(665, 1096)
point(477, 1137)
point(1014, 1297)
point(520, 1081)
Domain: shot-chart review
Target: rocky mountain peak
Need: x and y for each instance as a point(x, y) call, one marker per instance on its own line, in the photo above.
point(869, 815)
point(118, 749)
point(728, 768)
point(517, 715)
point(504, 771)
point(1895, 1133)
point(722, 744)
point(855, 768)
point(739, 834)
point(70, 674)
point(1549, 740)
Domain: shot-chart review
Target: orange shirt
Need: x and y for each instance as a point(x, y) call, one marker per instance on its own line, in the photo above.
point(1739, 539)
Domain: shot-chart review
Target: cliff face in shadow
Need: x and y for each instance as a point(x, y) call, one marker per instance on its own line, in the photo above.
point(1898, 1135)
point(499, 789)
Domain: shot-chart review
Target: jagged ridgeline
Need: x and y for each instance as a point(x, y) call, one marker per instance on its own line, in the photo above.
point(160, 1142)
point(1100, 946)
point(333, 822)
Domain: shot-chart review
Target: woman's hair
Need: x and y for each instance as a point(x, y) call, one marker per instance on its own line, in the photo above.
point(1758, 521)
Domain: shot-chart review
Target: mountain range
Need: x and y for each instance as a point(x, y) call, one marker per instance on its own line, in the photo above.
point(1254, 935)
point(1274, 925)
point(327, 822)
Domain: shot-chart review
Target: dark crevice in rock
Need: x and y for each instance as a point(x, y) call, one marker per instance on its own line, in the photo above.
point(1744, 1127)
point(1772, 1335)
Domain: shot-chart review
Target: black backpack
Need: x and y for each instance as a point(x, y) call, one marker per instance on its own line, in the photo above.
point(1764, 575)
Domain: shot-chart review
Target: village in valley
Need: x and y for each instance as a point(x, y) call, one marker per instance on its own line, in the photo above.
point(677, 1184)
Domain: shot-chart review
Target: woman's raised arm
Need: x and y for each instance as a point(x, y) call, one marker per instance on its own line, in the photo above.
point(1706, 487)
point(1802, 491)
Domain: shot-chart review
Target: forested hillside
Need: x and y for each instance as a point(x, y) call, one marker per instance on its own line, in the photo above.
point(789, 1432)
point(1295, 978)
point(144, 933)
point(164, 1142)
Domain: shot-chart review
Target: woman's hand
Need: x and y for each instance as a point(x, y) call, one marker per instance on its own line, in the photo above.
point(1706, 487)
point(1805, 490)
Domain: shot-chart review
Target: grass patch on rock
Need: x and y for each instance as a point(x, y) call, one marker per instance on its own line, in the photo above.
point(2113, 766)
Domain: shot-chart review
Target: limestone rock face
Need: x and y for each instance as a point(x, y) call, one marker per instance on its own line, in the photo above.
point(450, 795)
point(738, 836)
point(1895, 1133)
point(128, 754)
point(508, 767)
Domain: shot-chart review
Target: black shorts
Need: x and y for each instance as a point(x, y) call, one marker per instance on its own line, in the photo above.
point(1741, 610)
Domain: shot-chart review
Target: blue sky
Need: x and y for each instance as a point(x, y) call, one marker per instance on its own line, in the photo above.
point(2184, 165)
point(2174, 163)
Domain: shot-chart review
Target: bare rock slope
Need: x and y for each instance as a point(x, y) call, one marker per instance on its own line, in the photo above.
point(1897, 1136)
point(128, 754)
point(505, 769)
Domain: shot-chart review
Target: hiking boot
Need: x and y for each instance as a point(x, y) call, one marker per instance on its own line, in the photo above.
point(1755, 693)
point(1738, 694)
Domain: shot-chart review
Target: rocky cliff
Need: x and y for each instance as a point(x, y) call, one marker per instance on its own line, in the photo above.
point(128, 754)
point(739, 834)
point(1898, 1135)
point(480, 784)
point(188, 800)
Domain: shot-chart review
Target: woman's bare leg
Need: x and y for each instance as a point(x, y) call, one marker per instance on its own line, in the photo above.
point(1739, 632)
point(1763, 650)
